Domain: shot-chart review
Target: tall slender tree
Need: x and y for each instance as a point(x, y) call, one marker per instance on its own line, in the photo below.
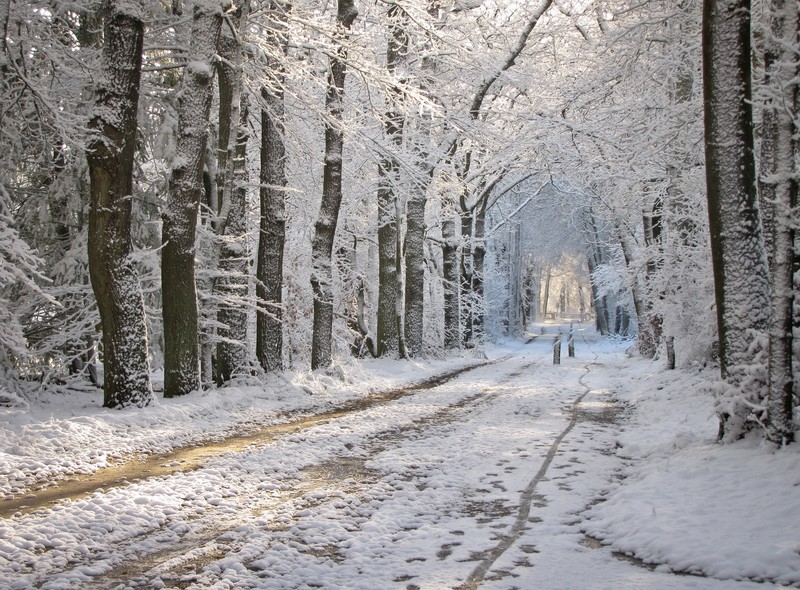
point(325, 226)
point(390, 329)
point(231, 222)
point(781, 127)
point(179, 293)
point(110, 154)
point(272, 195)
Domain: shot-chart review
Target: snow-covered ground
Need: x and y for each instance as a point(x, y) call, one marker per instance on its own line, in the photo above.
point(516, 474)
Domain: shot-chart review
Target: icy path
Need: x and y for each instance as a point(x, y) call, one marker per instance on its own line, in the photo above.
point(482, 481)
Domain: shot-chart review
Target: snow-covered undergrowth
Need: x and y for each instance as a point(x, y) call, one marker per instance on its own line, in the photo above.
point(690, 504)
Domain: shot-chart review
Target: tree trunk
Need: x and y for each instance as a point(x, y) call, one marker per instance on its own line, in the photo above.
point(390, 292)
point(781, 71)
point(325, 227)
point(179, 294)
point(450, 269)
point(234, 256)
point(646, 339)
point(546, 295)
point(478, 260)
point(737, 247)
point(110, 155)
point(388, 342)
point(414, 262)
point(272, 235)
point(466, 271)
point(600, 303)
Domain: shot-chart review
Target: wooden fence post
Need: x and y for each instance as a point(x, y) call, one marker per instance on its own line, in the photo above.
point(557, 350)
point(571, 341)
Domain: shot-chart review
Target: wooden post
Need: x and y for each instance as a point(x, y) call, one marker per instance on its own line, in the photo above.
point(557, 350)
point(670, 352)
point(571, 341)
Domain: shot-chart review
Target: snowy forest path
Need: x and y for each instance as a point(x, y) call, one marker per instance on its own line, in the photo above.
point(191, 457)
point(528, 494)
point(319, 494)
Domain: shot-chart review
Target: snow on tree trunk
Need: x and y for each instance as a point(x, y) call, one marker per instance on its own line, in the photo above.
point(414, 263)
point(478, 261)
point(388, 341)
point(782, 179)
point(325, 226)
point(272, 234)
point(179, 294)
point(737, 247)
point(234, 256)
point(451, 280)
point(110, 155)
point(466, 271)
point(389, 328)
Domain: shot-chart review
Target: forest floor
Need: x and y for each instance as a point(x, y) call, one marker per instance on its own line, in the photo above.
point(505, 472)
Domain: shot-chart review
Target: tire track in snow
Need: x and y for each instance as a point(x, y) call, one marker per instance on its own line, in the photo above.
point(526, 499)
point(191, 457)
point(202, 545)
point(199, 550)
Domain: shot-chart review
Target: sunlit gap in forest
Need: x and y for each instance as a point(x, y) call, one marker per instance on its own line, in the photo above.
point(539, 238)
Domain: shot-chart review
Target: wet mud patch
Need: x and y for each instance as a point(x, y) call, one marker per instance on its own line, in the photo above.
point(594, 543)
point(605, 412)
point(340, 469)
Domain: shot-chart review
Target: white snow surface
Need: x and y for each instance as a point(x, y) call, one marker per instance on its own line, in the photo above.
point(415, 493)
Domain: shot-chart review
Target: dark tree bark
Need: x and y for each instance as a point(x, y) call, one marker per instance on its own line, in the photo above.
point(272, 235)
point(234, 256)
point(179, 294)
point(466, 275)
point(390, 292)
point(478, 260)
point(414, 245)
point(452, 277)
point(781, 134)
point(414, 263)
point(325, 227)
point(110, 156)
point(737, 247)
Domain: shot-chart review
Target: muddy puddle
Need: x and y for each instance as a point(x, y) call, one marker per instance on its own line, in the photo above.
point(189, 458)
point(600, 411)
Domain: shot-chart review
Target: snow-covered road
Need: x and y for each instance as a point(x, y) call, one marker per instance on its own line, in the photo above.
point(487, 480)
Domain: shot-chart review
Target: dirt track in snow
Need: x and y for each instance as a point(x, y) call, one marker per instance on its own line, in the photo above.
point(212, 537)
point(189, 458)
